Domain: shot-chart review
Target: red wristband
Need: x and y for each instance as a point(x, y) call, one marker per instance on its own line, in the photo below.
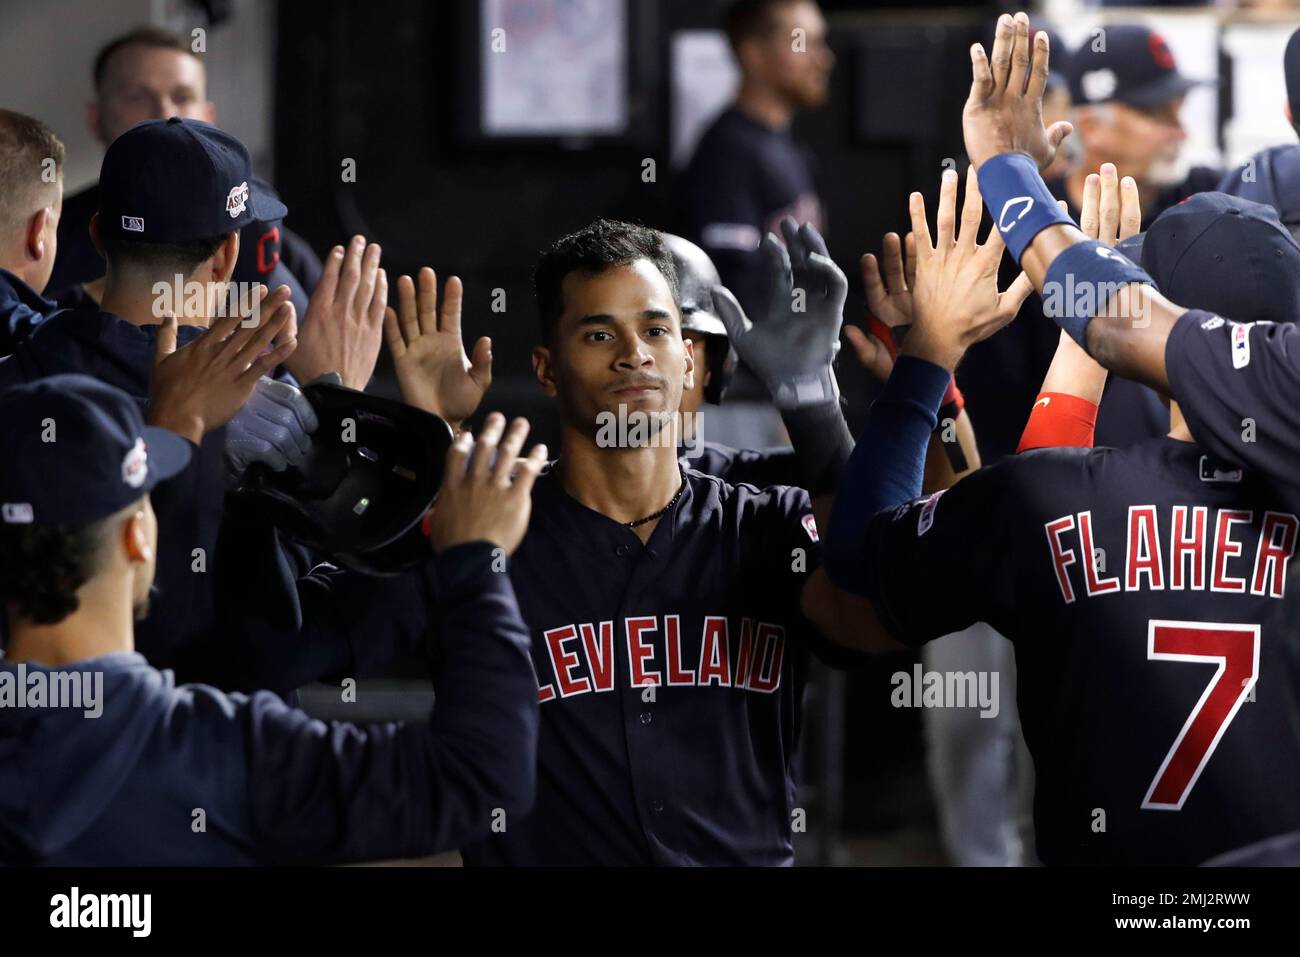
point(1059, 420)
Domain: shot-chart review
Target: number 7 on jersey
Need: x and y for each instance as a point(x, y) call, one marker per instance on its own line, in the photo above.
point(1236, 649)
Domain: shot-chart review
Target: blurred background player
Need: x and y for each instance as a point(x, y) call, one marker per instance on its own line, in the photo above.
point(153, 74)
point(31, 200)
point(748, 172)
point(1127, 94)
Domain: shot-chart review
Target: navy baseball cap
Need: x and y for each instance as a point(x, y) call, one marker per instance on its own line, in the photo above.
point(1227, 255)
point(178, 180)
point(1271, 177)
point(77, 450)
point(259, 253)
point(1128, 63)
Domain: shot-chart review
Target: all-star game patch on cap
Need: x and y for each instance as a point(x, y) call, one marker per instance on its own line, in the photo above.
point(178, 180)
point(77, 450)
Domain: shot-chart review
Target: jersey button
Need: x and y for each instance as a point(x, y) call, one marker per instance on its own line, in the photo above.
point(658, 805)
point(646, 717)
point(621, 551)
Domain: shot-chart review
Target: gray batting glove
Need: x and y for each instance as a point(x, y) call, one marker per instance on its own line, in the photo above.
point(273, 427)
point(793, 348)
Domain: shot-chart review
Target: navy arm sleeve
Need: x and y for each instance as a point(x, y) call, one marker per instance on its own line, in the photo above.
point(1237, 383)
point(887, 466)
point(338, 792)
point(939, 564)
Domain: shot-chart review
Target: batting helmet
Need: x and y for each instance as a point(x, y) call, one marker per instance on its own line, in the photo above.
point(696, 277)
point(373, 471)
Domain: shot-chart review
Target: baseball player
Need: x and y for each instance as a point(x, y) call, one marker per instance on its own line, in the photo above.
point(137, 784)
point(30, 205)
point(672, 614)
point(1144, 588)
point(185, 218)
point(153, 74)
point(1232, 380)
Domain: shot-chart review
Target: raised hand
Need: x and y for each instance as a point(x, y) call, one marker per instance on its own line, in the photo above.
point(433, 371)
point(1004, 112)
point(955, 299)
point(486, 487)
point(200, 386)
point(1112, 209)
point(343, 327)
point(889, 305)
point(793, 347)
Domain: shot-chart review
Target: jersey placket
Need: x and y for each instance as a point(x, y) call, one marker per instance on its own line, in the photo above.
point(644, 705)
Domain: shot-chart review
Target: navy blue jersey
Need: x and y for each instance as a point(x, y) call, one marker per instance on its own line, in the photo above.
point(670, 675)
point(22, 309)
point(760, 469)
point(1238, 384)
point(743, 177)
point(1158, 662)
point(170, 775)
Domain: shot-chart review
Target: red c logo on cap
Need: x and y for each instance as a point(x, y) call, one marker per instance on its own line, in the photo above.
point(1160, 52)
point(271, 239)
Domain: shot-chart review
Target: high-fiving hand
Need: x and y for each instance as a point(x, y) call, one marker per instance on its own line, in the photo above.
point(793, 348)
point(433, 371)
point(889, 305)
point(1004, 112)
point(486, 487)
point(342, 330)
point(955, 299)
point(198, 387)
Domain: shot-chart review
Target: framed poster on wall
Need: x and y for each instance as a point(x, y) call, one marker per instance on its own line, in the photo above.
point(559, 72)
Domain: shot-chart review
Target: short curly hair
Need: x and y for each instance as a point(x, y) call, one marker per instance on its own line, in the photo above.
point(603, 245)
point(43, 566)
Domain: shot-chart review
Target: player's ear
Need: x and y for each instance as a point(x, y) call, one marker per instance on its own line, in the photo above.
point(94, 234)
point(542, 369)
point(135, 535)
point(224, 259)
point(35, 239)
point(689, 382)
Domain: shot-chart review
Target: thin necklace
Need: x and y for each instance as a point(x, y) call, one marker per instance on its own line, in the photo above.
point(659, 514)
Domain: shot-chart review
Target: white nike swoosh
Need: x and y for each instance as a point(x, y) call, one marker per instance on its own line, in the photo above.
point(1043, 401)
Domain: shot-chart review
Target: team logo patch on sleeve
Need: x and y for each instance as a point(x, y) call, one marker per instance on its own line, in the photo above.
point(926, 518)
point(810, 526)
point(1209, 325)
point(1241, 344)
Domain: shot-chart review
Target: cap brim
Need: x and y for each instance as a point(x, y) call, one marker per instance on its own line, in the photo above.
point(266, 208)
point(1132, 247)
point(1168, 87)
point(168, 454)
